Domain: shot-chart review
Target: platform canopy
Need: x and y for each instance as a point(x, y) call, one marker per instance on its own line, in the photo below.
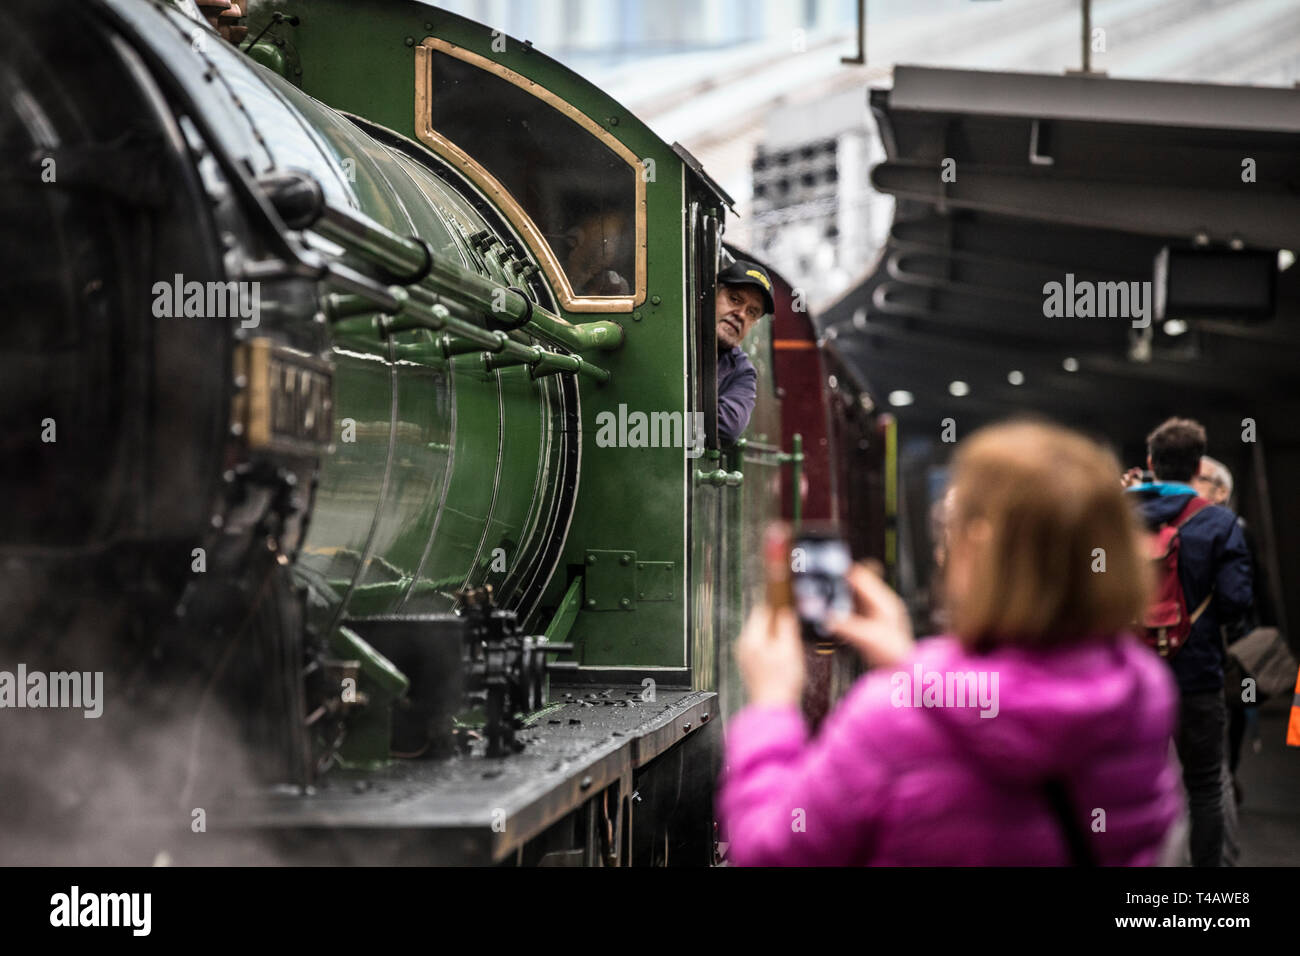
point(1006, 183)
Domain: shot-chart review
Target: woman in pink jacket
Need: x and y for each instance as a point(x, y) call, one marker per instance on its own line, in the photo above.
point(1037, 733)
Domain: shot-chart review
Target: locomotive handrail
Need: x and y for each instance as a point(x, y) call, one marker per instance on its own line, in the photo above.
point(719, 478)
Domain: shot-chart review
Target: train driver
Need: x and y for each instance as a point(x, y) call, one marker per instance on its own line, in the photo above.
point(744, 296)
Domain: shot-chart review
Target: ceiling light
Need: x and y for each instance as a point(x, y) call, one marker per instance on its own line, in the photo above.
point(900, 398)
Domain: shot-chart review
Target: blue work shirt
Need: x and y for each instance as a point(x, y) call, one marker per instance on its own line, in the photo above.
point(1212, 554)
point(737, 392)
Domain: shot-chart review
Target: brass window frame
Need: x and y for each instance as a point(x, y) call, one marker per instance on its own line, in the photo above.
point(505, 201)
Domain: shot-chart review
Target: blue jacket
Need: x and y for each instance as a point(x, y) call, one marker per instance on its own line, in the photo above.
point(737, 392)
point(1212, 554)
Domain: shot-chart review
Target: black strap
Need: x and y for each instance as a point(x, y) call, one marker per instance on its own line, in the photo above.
point(1076, 839)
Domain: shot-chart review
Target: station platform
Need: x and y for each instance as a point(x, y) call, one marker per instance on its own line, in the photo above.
point(1269, 773)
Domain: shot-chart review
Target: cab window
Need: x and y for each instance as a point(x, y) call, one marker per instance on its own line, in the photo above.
point(579, 191)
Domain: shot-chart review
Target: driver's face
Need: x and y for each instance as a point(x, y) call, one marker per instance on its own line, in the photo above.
point(738, 308)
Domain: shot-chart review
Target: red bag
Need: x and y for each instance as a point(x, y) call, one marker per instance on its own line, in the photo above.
point(1166, 623)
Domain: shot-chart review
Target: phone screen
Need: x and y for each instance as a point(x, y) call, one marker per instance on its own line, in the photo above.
point(819, 567)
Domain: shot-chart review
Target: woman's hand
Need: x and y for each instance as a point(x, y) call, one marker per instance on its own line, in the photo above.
point(881, 631)
point(770, 656)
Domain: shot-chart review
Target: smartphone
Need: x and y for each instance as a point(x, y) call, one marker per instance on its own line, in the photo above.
point(819, 585)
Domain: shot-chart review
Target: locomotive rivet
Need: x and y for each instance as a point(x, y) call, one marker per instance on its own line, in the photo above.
point(586, 782)
point(428, 26)
point(636, 316)
point(613, 121)
point(591, 602)
point(655, 300)
point(624, 603)
point(625, 560)
point(686, 728)
point(591, 559)
point(409, 41)
point(641, 595)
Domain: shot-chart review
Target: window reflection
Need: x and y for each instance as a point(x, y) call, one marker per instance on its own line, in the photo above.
point(580, 193)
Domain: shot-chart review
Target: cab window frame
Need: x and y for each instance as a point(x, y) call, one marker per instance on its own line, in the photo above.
point(505, 200)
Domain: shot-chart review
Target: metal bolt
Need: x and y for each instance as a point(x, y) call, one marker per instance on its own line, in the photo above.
point(686, 728)
point(655, 300)
point(624, 603)
point(409, 41)
point(625, 560)
point(636, 316)
point(641, 595)
point(613, 121)
point(586, 782)
point(591, 559)
point(591, 602)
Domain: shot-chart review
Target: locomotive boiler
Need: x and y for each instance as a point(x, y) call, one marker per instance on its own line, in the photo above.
point(316, 307)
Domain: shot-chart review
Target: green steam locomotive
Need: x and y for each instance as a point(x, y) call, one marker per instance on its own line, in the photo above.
point(320, 309)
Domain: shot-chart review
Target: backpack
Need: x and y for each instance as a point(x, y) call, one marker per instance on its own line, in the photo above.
point(1165, 623)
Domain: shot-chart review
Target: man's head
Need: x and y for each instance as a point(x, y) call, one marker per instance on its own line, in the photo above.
point(744, 296)
point(1213, 482)
point(1174, 450)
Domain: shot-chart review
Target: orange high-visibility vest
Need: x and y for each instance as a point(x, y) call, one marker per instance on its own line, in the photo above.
point(1293, 728)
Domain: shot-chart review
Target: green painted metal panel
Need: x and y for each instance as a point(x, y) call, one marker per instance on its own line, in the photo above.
point(656, 581)
point(359, 56)
point(610, 581)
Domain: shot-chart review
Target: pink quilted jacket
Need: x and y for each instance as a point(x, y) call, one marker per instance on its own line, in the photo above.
point(901, 773)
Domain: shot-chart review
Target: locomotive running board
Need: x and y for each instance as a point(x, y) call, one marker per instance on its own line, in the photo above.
point(475, 810)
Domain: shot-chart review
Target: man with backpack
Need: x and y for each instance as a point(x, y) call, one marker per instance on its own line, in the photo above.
point(1203, 579)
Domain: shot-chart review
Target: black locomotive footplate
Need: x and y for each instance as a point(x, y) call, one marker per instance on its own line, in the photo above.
point(474, 809)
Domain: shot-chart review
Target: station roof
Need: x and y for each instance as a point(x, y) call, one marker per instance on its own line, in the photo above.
point(1091, 177)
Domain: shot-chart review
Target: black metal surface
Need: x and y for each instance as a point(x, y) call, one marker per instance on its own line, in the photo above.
point(590, 740)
